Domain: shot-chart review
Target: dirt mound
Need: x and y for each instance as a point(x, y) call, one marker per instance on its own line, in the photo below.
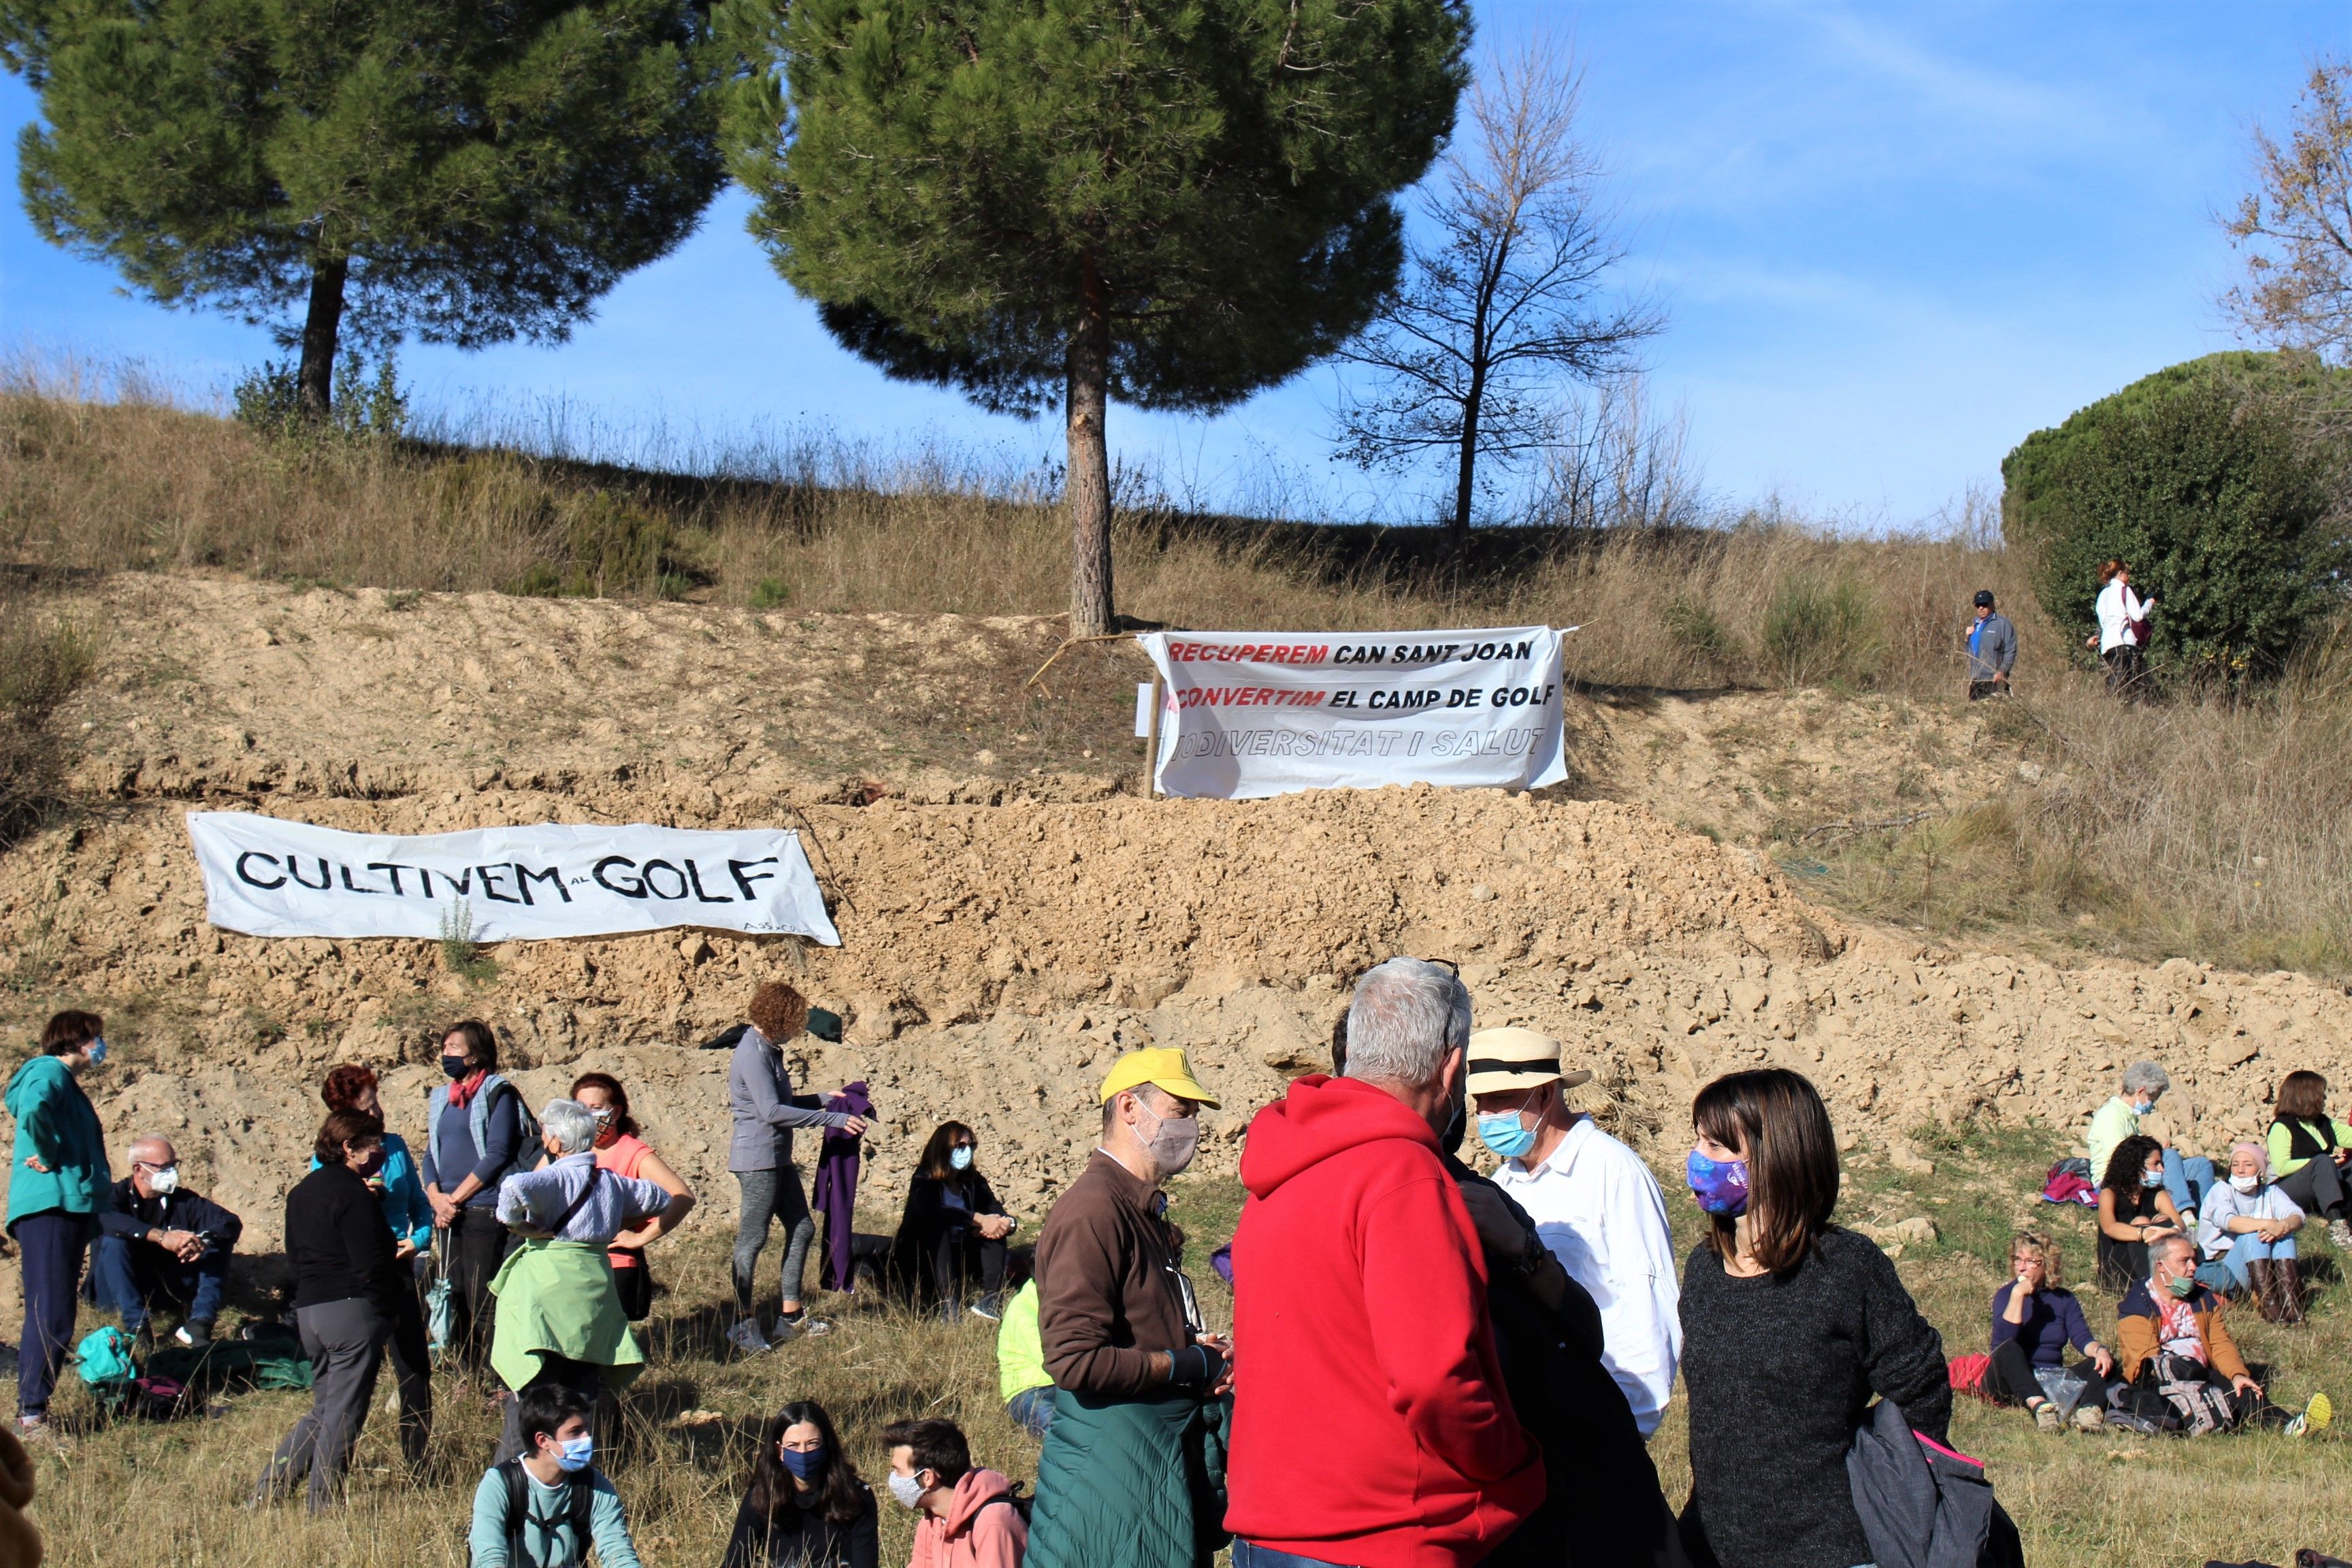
point(1004, 935)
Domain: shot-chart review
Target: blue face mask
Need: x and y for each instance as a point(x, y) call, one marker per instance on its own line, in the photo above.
point(2151, 1178)
point(98, 1050)
point(575, 1452)
point(806, 1467)
point(1505, 1134)
point(1720, 1185)
point(959, 1157)
point(2142, 1107)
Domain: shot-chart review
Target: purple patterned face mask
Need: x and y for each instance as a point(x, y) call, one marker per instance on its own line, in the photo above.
point(1720, 1185)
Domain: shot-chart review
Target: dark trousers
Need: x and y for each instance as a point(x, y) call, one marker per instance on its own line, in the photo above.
point(411, 1372)
point(2317, 1188)
point(345, 1340)
point(960, 1256)
point(587, 1378)
point(137, 1277)
point(52, 1243)
point(478, 1245)
point(1980, 690)
point(2126, 669)
point(2011, 1381)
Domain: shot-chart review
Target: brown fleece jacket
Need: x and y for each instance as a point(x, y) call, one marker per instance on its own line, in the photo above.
point(1108, 1303)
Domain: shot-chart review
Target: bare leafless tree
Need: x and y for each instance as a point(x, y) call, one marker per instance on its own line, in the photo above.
point(1618, 463)
point(1508, 299)
point(2294, 228)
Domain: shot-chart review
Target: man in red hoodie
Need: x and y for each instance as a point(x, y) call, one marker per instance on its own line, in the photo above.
point(966, 1516)
point(1370, 1428)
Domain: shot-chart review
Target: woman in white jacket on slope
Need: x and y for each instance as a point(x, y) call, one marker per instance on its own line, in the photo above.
point(2123, 623)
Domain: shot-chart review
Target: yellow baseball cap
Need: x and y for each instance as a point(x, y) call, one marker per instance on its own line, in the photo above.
point(1161, 1066)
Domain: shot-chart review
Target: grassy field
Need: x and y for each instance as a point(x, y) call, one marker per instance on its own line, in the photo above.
point(170, 1496)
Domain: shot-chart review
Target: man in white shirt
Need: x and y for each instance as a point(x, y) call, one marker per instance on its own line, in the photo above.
point(1595, 1205)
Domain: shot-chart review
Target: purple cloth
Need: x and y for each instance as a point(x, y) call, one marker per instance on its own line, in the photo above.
point(2053, 1323)
point(837, 1188)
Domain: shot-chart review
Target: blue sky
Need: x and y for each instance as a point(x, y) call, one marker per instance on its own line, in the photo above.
point(1892, 240)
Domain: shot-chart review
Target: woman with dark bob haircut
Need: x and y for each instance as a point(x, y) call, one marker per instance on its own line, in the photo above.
point(1789, 1325)
point(806, 1504)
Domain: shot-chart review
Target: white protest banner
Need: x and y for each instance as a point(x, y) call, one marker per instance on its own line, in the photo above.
point(1251, 714)
point(265, 876)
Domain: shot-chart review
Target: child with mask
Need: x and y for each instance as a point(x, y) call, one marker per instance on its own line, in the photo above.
point(806, 1505)
point(547, 1508)
point(1789, 1325)
point(966, 1517)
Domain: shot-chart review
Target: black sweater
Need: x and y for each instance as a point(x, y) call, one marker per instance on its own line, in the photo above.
point(927, 1217)
point(338, 1242)
point(802, 1538)
point(1780, 1369)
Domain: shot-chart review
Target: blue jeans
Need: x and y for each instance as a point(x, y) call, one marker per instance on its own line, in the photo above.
point(134, 1278)
point(1032, 1410)
point(1247, 1555)
point(2187, 1180)
point(2228, 1272)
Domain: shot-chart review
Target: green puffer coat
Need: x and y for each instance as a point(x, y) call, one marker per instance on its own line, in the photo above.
point(1132, 1483)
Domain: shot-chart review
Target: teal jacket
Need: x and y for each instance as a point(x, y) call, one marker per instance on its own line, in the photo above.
point(55, 1121)
point(405, 1207)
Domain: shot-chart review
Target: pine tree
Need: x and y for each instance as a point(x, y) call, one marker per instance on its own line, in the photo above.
point(1175, 203)
point(470, 171)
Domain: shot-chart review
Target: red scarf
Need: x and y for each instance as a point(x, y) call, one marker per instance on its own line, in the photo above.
point(462, 1092)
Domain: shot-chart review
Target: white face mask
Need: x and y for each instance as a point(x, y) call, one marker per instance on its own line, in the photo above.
point(2245, 1184)
point(907, 1489)
point(163, 1179)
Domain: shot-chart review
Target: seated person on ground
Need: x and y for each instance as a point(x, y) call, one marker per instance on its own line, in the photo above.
point(2035, 1318)
point(806, 1504)
point(966, 1517)
point(2246, 1235)
point(549, 1506)
point(2175, 1343)
point(160, 1247)
point(953, 1230)
point(2311, 1154)
point(2186, 1178)
point(1022, 1380)
point(2134, 1210)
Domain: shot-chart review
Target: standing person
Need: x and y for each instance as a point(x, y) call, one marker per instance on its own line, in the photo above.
point(622, 1150)
point(550, 1505)
point(408, 1214)
point(346, 1281)
point(2134, 1210)
point(560, 1319)
point(965, 1515)
point(160, 1244)
point(59, 1182)
point(2034, 1319)
point(1992, 650)
point(953, 1229)
point(759, 1098)
point(2312, 1154)
point(2188, 1178)
point(1789, 1324)
point(806, 1506)
point(1371, 1425)
point(473, 1141)
point(1122, 1482)
point(1595, 1203)
point(2123, 629)
point(2246, 1234)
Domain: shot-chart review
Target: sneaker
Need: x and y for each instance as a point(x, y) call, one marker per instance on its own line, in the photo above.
point(988, 1309)
point(745, 1337)
point(2340, 1233)
point(794, 1325)
point(35, 1432)
point(2316, 1415)
point(2090, 1418)
point(2046, 1418)
point(196, 1336)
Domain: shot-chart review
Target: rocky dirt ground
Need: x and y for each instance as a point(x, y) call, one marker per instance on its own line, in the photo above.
point(1013, 912)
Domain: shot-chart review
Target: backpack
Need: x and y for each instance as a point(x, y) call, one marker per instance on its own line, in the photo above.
point(528, 1152)
point(581, 1489)
point(103, 1360)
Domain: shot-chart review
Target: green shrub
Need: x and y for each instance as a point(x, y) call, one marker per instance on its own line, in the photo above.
point(42, 661)
point(770, 592)
point(2202, 476)
point(266, 399)
point(1819, 633)
point(1696, 629)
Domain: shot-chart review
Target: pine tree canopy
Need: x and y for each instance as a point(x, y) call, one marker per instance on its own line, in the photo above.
point(472, 169)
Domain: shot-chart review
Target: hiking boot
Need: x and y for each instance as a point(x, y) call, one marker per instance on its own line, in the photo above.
point(2261, 1283)
point(2287, 1279)
point(745, 1337)
point(2090, 1418)
point(2046, 1418)
point(2339, 1232)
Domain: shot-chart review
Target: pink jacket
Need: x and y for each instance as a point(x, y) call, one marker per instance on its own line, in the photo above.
point(977, 1533)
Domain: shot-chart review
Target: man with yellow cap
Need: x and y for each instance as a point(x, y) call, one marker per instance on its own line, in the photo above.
point(1121, 1483)
point(1596, 1205)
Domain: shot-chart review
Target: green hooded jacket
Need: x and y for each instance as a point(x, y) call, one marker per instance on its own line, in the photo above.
point(55, 1121)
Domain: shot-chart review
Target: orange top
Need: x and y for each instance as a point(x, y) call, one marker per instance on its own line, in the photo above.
point(621, 1157)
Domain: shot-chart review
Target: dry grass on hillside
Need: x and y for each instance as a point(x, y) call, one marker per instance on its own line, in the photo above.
point(170, 1496)
point(2215, 825)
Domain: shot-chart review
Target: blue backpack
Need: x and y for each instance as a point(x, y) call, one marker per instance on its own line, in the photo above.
point(103, 1360)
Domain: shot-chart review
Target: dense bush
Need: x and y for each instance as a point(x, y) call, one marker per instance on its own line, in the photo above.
point(1817, 632)
point(2207, 477)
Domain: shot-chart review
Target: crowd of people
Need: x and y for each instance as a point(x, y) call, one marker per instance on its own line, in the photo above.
point(1425, 1365)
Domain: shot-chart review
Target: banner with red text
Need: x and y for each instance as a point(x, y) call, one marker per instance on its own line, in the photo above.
point(1251, 714)
point(267, 877)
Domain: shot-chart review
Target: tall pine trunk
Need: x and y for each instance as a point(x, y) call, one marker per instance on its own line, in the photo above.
point(1457, 530)
point(314, 382)
point(1088, 360)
